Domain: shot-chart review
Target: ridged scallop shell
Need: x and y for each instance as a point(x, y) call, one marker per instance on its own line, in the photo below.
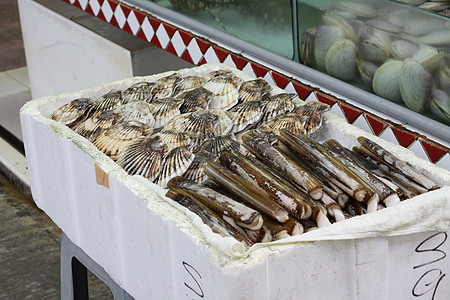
point(253, 90)
point(291, 122)
point(203, 123)
point(173, 139)
point(217, 144)
point(93, 125)
point(175, 164)
point(108, 101)
point(164, 86)
point(143, 156)
point(245, 115)
point(219, 73)
point(195, 99)
point(73, 112)
point(276, 105)
point(137, 92)
point(195, 171)
point(138, 110)
point(188, 83)
point(165, 110)
point(225, 92)
point(113, 140)
point(312, 112)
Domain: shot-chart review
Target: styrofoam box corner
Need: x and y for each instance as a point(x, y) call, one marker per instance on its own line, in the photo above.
point(155, 250)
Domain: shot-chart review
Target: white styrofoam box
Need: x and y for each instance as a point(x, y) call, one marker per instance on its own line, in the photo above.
point(155, 249)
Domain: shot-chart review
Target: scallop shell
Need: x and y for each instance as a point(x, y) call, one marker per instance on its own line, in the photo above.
point(219, 73)
point(245, 115)
point(225, 92)
point(253, 90)
point(201, 124)
point(73, 112)
point(113, 140)
point(195, 171)
point(175, 164)
point(108, 101)
point(188, 83)
point(195, 99)
point(276, 105)
point(93, 125)
point(164, 86)
point(143, 156)
point(138, 110)
point(173, 139)
point(312, 112)
point(137, 92)
point(165, 110)
point(217, 144)
point(291, 122)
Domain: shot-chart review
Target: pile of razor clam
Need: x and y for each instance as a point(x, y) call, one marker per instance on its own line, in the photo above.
point(399, 53)
point(239, 156)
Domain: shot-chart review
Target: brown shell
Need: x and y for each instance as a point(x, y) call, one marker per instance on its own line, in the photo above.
point(291, 122)
point(277, 105)
point(253, 90)
point(195, 99)
point(245, 115)
point(312, 112)
point(138, 110)
point(108, 101)
point(225, 92)
point(217, 144)
point(188, 83)
point(73, 112)
point(164, 86)
point(164, 110)
point(174, 139)
point(175, 164)
point(137, 92)
point(195, 171)
point(219, 73)
point(113, 140)
point(93, 125)
point(143, 156)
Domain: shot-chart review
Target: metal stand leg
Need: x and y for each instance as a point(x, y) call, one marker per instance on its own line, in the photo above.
point(74, 266)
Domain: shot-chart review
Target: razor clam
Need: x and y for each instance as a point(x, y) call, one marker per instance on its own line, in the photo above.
point(333, 207)
point(195, 172)
point(234, 184)
point(385, 82)
point(276, 105)
point(137, 92)
point(173, 139)
point(355, 208)
point(305, 146)
point(262, 149)
point(201, 124)
point(294, 226)
point(188, 83)
point(402, 49)
point(241, 214)
point(312, 113)
point(73, 112)
point(143, 156)
point(307, 47)
point(415, 85)
point(218, 144)
point(264, 235)
point(209, 217)
point(439, 105)
point(164, 110)
point(225, 92)
point(164, 86)
point(253, 90)
point(325, 37)
point(114, 139)
point(108, 101)
point(245, 115)
point(277, 230)
point(91, 127)
point(175, 164)
point(294, 204)
point(139, 111)
point(197, 98)
point(340, 60)
point(403, 166)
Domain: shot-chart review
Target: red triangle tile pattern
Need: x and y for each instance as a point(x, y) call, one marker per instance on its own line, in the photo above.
point(378, 125)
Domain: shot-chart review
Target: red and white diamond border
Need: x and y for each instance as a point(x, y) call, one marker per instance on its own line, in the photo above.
point(199, 50)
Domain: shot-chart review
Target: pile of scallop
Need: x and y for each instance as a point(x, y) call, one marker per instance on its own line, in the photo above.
point(240, 156)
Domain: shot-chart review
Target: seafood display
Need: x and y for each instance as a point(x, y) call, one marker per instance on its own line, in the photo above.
point(240, 155)
point(397, 52)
